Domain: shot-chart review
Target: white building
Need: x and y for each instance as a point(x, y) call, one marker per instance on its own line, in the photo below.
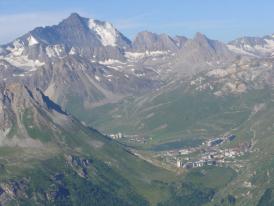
point(178, 163)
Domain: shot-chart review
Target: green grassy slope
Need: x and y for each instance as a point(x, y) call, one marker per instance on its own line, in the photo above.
point(176, 115)
point(114, 172)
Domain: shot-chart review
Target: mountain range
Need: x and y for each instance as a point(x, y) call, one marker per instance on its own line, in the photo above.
point(65, 89)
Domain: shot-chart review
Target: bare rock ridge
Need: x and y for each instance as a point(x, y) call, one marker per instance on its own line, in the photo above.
point(148, 41)
point(16, 99)
point(89, 62)
point(90, 38)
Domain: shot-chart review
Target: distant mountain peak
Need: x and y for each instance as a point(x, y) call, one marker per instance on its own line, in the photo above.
point(105, 31)
point(74, 15)
point(82, 36)
point(201, 37)
point(75, 22)
point(150, 41)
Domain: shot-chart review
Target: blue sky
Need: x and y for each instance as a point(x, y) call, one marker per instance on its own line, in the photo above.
point(218, 19)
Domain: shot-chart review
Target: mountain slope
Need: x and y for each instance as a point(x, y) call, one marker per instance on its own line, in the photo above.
point(48, 157)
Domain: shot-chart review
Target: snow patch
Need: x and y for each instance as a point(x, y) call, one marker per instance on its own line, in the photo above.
point(55, 51)
point(105, 31)
point(18, 48)
point(134, 55)
point(141, 75)
point(97, 78)
point(72, 51)
point(140, 55)
point(110, 62)
point(239, 50)
point(23, 62)
point(156, 53)
point(18, 75)
point(32, 41)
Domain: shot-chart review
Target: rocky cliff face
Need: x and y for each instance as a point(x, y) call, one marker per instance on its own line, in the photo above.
point(6, 114)
point(24, 113)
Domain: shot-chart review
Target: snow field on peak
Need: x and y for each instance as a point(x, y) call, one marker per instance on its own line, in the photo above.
point(32, 41)
point(106, 32)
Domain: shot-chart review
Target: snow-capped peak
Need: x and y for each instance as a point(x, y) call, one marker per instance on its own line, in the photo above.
point(105, 31)
point(32, 41)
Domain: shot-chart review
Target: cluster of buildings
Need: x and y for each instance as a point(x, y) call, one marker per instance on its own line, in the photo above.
point(198, 163)
point(129, 138)
point(211, 154)
point(187, 151)
point(116, 136)
point(216, 157)
point(136, 139)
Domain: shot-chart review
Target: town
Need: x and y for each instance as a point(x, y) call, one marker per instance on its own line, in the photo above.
point(209, 153)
